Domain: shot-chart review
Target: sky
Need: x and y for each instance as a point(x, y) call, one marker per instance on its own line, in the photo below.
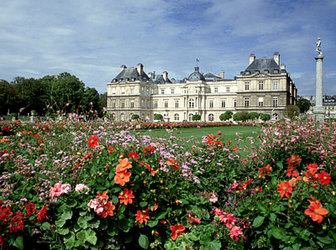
point(91, 39)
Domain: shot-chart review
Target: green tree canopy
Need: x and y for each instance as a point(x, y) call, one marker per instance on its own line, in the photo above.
point(196, 117)
point(158, 116)
point(226, 116)
point(292, 111)
point(303, 105)
point(265, 117)
point(253, 115)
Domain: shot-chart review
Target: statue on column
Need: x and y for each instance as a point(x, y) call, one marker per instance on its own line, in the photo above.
point(318, 46)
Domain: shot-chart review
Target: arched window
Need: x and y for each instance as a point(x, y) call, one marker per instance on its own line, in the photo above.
point(275, 116)
point(211, 117)
point(113, 116)
point(190, 117)
point(191, 103)
point(122, 117)
point(176, 117)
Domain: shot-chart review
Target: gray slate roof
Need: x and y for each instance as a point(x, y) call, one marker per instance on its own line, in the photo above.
point(262, 64)
point(212, 77)
point(159, 79)
point(130, 74)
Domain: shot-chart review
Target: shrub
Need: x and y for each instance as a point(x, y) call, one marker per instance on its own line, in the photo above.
point(237, 117)
point(196, 117)
point(135, 116)
point(253, 115)
point(292, 111)
point(158, 117)
point(265, 117)
point(226, 116)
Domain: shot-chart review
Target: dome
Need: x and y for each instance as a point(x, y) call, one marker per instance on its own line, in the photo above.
point(196, 76)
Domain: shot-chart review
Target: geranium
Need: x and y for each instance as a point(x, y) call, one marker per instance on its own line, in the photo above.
point(315, 210)
point(126, 197)
point(177, 230)
point(213, 198)
point(324, 178)
point(285, 189)
point(80, 187)
point(59, 189)
point(235, 232)
point(293, 160)
point(101, 205)
point(134, 155)
point(93, 141)
point(141, 217)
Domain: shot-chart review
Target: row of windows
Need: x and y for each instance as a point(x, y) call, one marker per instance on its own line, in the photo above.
point(261, 85)
point(261, 102)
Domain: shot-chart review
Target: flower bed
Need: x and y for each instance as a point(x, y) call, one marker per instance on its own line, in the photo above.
point(94, 185)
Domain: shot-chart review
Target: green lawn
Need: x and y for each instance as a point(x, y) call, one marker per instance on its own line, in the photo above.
point(228, 132)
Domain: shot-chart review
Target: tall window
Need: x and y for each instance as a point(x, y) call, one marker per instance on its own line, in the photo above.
point(223, 103)
point(142, 103)
point(275, 101)
point(166, 104)
point(172, 91)
point(122, 116)
point(176, 103)
point(227, 89)
point(176, 117)
point(113, 90)
point(247, 85)
point(132, 103)
point(122, 90)
point(234, 103)
point(155, 104)
point(123, 104)
point(191, 103)
point(275, 85)
point(211, 117)
point(261, 85)
point(190, 117)
point(113, 104)
point(261, 101)
point(211, 104)
point(132, 90)
point(247, 102)
point(216, 90)
point(162, 91)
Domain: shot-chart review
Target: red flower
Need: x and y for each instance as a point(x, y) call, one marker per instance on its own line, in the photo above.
point(141, 217)
point(315, 210)
point(42, 214)
point(292, 172)
point(172, 162)
point(324, 178)
point(134, 155)
point(235, 149)
point(177, 230)
point(285, 189)
point(108, 210)
point(148, 150)
point(93, 141)
point(264, 170)
point(126, 197)
point(293, 160)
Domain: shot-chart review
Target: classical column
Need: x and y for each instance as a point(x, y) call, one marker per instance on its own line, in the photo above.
point(318, 109)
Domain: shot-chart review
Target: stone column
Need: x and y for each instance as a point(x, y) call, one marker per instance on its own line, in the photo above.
point(318, 109)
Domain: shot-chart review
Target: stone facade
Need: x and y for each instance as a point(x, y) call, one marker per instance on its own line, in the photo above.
point(264, 87)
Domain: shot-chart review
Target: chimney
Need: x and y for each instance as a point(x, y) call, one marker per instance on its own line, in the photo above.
point(252, 57)
point(283, 67)
point(165, 76)
point(222, 74)
point(140, 69)
point(123, 67)
point(276, 56)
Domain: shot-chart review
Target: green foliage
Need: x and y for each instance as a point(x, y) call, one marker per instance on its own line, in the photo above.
point(265, 117)
point(196, 117)
point(253, 115)
point(226, 116)
point(237, 117)
point(135, 116)
point(292, 111)
point(158, 117)
point(303, 105)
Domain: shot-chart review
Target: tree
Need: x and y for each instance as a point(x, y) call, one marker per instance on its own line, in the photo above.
point(244, 116)
point(265, 117)
point(158, 116)
point(253, 115)
point(292, 111)
point(303, 105)
point(196, 117)
point(237, 117)
point(226, 116)
point(135, 116)
point(103, 99)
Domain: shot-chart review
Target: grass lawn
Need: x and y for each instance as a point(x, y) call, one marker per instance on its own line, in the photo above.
point(194, 134)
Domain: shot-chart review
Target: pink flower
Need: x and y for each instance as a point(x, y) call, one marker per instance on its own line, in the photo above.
point(234, 185)
point(213, 198)
point(80, 187)
point(59, 189)
point(235, 233)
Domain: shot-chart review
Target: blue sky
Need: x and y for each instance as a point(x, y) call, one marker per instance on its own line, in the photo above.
point(91, 39)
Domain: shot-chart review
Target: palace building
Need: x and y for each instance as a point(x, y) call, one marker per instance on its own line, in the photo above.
point(264, 87)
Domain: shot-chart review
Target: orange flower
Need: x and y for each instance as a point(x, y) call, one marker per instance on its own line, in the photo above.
point(89, 155)
point(123, 165)
point(293, 181)
point(219, 133)
point(324, 178)
point(245, 184)
point(108, 210)
point(141, 217)
point(177, 230)
point(285, 189)
point(264, 170)
point(122, 177)
point(172, 162)
point(93, 141)
point(311, 174)
point(103, 196)
point(315, 210)
point(293, 160)
point(126, 197)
